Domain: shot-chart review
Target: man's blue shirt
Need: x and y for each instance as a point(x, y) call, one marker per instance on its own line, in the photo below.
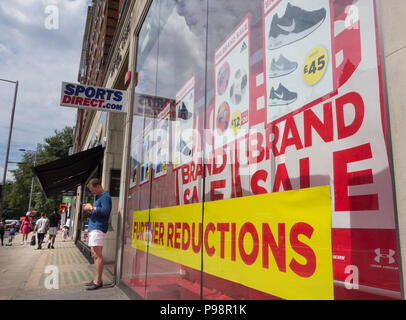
point(99, 220)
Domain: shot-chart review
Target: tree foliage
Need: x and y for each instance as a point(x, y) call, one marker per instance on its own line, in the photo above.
point(17, 193)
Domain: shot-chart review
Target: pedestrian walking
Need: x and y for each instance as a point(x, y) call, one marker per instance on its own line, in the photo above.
point(12, 233)
point(25, 229)
point(98, 225)
point(41, 227)
point(65, 229)
point(54, 223)
point(2, 230)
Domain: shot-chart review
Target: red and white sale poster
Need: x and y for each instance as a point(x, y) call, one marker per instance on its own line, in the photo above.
point(298, 52)
point(232, 91)
point(183, 129)
point(161, 138)
point(337, 136)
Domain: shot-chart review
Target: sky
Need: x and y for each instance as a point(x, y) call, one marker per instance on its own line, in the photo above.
point(40, 46)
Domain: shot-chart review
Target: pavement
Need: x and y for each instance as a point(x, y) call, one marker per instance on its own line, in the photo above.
point(50, 274)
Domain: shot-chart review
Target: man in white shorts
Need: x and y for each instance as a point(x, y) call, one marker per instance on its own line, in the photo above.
point(97, 227)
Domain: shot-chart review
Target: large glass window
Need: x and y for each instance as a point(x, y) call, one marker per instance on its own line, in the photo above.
point(259, 154)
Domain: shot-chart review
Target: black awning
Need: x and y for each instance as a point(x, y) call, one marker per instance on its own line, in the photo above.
point(67, 173)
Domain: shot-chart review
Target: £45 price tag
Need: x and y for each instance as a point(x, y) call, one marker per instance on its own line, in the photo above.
point(315, 65)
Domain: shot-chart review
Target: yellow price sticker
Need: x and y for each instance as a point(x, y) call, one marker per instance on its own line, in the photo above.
point(315, 65)
point(236, 121)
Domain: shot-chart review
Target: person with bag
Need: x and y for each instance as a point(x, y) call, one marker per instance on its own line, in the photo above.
point(42, 227)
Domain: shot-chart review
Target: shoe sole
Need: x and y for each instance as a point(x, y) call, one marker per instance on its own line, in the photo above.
point(89, 284)
point(282, 73)
point(93, 287)
point(275, 103)
point(283, 40)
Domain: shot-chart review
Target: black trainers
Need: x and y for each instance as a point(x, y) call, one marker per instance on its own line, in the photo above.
point(296, 24)
point(94, 286)
point(281, 96)
point(90, 283)
point(49, 245)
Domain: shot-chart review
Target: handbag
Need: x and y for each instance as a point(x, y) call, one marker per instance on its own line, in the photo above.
point(33, 241)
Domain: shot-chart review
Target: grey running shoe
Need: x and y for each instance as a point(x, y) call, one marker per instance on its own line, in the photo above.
point(281, 96)
point(296, 24)
point(281, 67)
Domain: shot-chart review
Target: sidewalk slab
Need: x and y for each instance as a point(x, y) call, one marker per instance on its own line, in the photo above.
point(26, 273)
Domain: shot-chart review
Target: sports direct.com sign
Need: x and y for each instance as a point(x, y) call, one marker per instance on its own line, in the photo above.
point(95, 98)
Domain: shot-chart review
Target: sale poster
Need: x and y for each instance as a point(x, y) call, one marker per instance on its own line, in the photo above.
point(161, 138)
point(135, 160)
point(298, 54)
point(146, 154)
point(232, 92)
point(183, 131)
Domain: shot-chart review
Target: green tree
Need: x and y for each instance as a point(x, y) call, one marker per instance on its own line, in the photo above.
point(17, 192)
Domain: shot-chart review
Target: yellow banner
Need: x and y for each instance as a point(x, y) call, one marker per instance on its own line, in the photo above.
point(278, 243)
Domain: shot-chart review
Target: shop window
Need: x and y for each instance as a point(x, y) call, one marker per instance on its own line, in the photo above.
point(268, 124)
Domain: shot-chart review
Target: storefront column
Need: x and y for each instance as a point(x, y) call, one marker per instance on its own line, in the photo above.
point(76, 222)
point(393, 26)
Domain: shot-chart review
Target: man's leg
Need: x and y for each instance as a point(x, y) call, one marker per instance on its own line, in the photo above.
point(98, 263)
point(52, 240)
point(40, 239)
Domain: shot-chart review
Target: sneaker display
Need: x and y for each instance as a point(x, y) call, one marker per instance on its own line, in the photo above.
point(296, 24)
point(281, 96)
point(281, 67)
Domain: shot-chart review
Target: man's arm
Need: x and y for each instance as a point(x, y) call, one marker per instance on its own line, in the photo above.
point(104, 207)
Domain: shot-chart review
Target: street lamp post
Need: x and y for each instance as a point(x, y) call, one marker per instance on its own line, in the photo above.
point(8, 143)
point(32, 178)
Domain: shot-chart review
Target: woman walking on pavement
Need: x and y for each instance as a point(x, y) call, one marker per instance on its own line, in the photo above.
point(25, 229)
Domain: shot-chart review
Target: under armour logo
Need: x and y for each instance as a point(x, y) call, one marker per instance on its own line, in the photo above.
point(389, 255)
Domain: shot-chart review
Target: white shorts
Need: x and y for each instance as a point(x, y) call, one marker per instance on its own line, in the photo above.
point(96, 238)
point(52, 231)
